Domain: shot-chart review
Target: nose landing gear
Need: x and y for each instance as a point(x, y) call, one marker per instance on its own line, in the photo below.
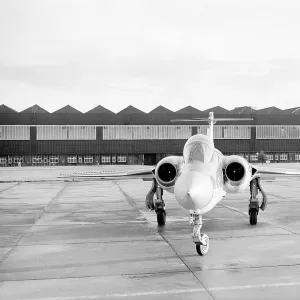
point(201, 240)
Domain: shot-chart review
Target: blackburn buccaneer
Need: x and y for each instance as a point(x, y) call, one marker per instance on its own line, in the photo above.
point(201, 177)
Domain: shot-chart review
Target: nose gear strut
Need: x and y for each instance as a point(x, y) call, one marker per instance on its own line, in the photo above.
point(201, 240)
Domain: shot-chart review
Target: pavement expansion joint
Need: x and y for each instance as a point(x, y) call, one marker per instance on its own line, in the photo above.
point(123, 275)
point(220, 238)
point(165, 239)
point(10, 187)
point(104, 241)
point(79, 224)
point(29, 227)
point(242, 267)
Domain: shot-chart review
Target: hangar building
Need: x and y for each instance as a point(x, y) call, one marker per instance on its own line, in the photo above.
point(67, 136)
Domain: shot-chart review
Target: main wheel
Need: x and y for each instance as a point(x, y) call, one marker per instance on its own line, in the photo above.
point(253, 216)
point(161, 217)
point(203, 249)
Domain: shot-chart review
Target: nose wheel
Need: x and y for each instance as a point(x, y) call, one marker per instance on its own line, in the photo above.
point(203, 247)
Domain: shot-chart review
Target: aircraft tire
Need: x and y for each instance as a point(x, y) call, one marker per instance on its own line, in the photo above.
point(202, 249)
point(161, 217)
point(253, 216)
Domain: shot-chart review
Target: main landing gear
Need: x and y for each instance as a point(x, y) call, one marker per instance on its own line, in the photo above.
point(160, 207)
point(254, 207)
point(201, 240)
point(158, 204)
point(160, 212)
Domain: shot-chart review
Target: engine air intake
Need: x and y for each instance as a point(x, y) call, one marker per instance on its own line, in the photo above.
point(235, 171)
point(167, 172)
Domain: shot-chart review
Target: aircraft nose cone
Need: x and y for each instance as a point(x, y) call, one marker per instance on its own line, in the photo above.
point(201, 192)
point(194, 190)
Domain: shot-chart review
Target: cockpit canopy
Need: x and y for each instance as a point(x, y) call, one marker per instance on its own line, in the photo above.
point(198, 149)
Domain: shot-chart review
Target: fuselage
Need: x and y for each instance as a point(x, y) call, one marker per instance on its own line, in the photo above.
point(199, 185)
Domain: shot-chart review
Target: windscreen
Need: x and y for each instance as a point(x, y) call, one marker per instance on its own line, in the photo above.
point(198, 149)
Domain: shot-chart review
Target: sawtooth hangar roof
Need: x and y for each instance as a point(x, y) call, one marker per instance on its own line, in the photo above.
point(130, 115)
point(4, 109)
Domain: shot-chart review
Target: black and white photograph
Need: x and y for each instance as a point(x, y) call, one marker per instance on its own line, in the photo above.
point(149, 149)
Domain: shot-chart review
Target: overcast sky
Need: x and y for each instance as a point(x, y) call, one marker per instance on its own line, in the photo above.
point(149, 53)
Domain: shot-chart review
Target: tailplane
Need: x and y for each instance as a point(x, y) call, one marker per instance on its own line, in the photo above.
point(211, 121)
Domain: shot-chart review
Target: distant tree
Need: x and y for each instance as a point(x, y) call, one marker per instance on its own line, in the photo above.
point(262, 157)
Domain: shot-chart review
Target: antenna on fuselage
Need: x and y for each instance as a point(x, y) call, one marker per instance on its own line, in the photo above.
point(211, 121)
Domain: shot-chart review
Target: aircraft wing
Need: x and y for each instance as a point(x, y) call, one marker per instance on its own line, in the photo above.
point(276, 171)
point(143, 173)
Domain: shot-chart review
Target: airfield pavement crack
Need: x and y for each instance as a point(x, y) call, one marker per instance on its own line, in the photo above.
point(54, 198)
point(28, 229)
point(131, 202)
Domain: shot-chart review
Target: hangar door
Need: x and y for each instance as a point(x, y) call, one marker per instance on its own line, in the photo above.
point(149, 159)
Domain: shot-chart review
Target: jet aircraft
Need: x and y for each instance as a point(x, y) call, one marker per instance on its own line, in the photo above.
point(202, 176)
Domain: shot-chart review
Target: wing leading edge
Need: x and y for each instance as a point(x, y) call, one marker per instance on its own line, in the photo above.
point(276, 171)
point(110, 174)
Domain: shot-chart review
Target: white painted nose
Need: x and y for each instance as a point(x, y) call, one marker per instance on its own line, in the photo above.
point(194, 190)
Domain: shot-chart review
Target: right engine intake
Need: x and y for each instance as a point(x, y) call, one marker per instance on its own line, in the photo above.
point(166, 171)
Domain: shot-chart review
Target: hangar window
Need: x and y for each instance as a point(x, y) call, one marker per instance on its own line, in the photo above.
point(228, 131)
point(253, 157)
point(70, 132)
point(146, 132)
point(88, 159)
point(277, 132)
point(105, 158)
point(37, 159)
point(297, 156)
point(202, 129)
point(121, 159)
point(283, 156)
point(72, 159)
point(18, 159)
point(2, 160)
point(14, 132)
point(53, 159)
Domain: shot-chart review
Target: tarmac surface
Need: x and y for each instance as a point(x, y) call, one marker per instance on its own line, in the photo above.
point(69, 240)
